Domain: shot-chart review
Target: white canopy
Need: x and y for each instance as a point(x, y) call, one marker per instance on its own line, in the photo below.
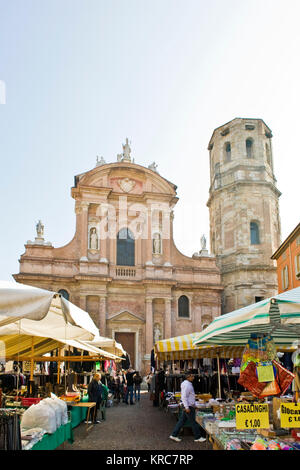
point(108, 344)
point(32, 311)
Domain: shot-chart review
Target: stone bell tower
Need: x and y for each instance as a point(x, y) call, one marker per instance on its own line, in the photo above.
point(244, 211)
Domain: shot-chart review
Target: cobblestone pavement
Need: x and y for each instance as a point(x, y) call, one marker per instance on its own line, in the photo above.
point(133, 427)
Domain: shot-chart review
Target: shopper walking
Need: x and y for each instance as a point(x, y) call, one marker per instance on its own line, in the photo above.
point(129, 383)
point(189, 411)
point(137, 380)
point(148, 380)
point(95, 395)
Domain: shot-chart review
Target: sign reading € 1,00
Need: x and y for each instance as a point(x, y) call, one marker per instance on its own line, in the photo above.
point(252, 416)
point(290, 415)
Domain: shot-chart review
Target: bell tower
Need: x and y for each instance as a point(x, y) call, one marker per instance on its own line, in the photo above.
point(244, 211)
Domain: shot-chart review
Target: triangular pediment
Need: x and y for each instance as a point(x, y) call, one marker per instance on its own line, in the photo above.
point(126, 316)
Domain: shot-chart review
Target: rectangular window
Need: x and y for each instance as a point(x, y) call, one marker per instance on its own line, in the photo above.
point(298, 241)
point(285, 278)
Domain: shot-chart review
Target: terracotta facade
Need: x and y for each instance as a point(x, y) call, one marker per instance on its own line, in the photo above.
point(141, 296)
point(287, 257)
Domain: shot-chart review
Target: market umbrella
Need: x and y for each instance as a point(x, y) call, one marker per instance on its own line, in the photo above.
point(32, 311)
point(108, 344)
point(278, 316)
point(182, 348)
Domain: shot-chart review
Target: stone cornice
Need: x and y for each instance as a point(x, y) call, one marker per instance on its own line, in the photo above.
point(214, 192)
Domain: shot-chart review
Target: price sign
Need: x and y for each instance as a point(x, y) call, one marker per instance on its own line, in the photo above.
point(290, 415)
point(252, 416)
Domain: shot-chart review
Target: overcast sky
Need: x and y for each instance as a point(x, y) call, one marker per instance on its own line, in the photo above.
point(82, 75)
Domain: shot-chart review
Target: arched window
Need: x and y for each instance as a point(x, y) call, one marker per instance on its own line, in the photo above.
point(227, 152)
point(254, 233)
point(249, 148)
point(183, 307)
point(125, 248)
point(64, 293)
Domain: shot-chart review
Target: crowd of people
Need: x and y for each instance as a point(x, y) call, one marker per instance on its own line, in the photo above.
point(123, 385)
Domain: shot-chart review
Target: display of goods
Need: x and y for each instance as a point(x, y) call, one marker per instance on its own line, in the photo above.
point(284, 377)
point(29, 401)
point(249, 380)
point(70, 398)
point(271, 389)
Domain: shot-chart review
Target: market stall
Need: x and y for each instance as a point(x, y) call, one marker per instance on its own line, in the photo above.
point(40, 329)
point(266, 416)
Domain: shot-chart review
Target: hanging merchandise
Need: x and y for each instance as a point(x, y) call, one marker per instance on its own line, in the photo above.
point(261, 372)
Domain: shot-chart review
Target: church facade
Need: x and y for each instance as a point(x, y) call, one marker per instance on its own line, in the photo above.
point(122, 265)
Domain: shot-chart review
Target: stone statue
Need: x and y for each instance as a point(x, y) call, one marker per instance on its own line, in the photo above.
point(157, 244)
point(203, 242)
point(40, 229)
point(157, 332)
point(119, 157)
point(126, 151)
point(93, 239)
point(100, 162)
point(153, 166)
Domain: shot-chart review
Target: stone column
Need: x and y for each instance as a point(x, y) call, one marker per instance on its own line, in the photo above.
point(149, 325)
point(168, 319)
point(167, 234)
point(102, 315)
point(84, 231)
point(82, 302)
point(149, 240)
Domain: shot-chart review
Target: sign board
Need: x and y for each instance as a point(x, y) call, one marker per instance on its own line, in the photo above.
point(290, 415)
point(252, 416)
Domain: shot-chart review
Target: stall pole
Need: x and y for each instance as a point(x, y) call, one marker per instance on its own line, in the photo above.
point(219, 376)
point(31, 365)
point(31, 361)
point(58, 367)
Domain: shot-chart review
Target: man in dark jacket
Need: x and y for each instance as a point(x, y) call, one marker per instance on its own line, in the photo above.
point(129, 383)
point(95, 395)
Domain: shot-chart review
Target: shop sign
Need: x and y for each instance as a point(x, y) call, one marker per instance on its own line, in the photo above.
point(290, 415)
point(252, 416)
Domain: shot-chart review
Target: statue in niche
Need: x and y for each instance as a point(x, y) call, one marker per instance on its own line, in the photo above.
point(156, 332)
point(157, 244)
point(93, 239)
point(40, 229)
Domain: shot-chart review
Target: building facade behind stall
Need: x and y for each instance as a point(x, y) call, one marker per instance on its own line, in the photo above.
point(122, 265)
point(287, 257)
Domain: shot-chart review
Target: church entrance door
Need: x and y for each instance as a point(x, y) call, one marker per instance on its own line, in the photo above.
point(128, 342)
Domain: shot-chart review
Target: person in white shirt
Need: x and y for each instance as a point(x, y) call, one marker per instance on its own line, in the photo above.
point(189, 411)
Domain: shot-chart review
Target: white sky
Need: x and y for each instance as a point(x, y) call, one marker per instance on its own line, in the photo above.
point(80, 77)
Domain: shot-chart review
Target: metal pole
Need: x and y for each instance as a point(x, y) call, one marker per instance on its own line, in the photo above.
point(219, 376)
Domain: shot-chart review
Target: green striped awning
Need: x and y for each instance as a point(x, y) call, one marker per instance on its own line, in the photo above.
point(278, 316)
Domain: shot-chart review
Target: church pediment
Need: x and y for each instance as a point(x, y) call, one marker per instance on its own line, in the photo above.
point(127, 178)
point(126, 316)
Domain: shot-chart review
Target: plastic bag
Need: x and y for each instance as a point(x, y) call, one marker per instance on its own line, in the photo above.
point(63, 408)
point(39, 416)
point(57, 410)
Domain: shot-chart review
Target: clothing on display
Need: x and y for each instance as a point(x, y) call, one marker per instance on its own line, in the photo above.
point(10, 432)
